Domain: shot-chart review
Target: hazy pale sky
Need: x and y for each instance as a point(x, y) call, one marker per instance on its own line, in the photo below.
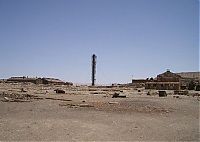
point(131, 38)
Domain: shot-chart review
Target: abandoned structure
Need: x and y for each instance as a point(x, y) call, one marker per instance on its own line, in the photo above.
point(165, 81)
point(189, 78)
point(171, 81)
point(25, 79)
point(135, 81)
point(2, 80)
point(138, 83)
point(163, 85)
point(68, 83)
point(38, 80)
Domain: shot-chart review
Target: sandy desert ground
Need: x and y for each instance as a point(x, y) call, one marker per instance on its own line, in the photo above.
point(91, 114)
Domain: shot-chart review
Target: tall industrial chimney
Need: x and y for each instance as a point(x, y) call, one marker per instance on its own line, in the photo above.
point(94, 57)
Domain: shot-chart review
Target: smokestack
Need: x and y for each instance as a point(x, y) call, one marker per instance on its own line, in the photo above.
point(94, 57)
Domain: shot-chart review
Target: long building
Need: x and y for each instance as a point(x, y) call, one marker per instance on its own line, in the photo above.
point(25, 79)
point(38, 80)
point(165, 81)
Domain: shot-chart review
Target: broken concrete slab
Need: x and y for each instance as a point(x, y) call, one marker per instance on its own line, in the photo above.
point(85, 105)
point(113, 102)
point(74, 105)
point(58, 99)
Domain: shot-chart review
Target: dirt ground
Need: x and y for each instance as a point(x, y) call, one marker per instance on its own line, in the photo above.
point(84, 113)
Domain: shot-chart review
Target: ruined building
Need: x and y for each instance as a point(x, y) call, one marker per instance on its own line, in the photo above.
point(165, 81)
point(25, 79)
point(53, 81)
point(188, 78)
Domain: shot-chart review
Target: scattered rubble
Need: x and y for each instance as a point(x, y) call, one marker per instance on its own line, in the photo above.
point(74, 105)
point(195, 94)
point(180, 92)
point(6, 99)
point(176, 96)
point(22, 90)
point(117, 95)
point(13, 97)
point(69, 105)
point(59, 91)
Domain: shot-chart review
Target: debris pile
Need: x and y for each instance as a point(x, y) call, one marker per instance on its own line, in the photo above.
point(22, 90)
point(176, 97)
point(13, 97)
point(59, 91)
point(180, 92)
point(117, 95)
